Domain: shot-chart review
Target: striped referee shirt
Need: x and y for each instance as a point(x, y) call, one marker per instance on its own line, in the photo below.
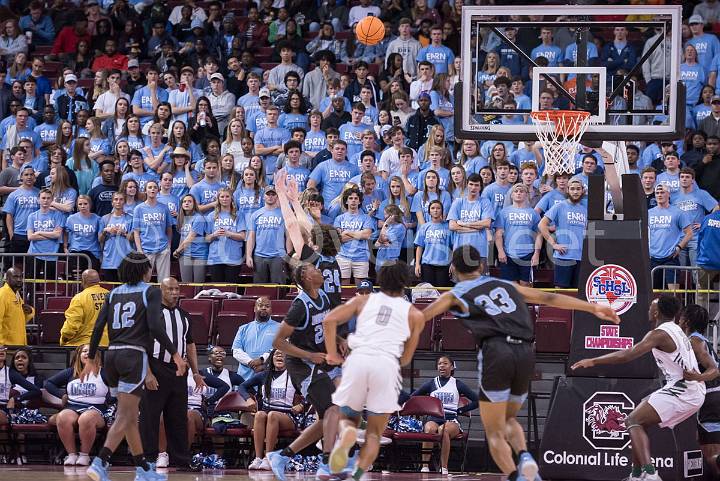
point(178, 329)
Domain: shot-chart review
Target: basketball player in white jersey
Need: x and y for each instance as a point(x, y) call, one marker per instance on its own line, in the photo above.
point(386, 335)
point(681, 397)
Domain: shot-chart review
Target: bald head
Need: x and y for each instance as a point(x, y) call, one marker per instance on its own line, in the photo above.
point(170, 289)
point(89, 277)
point(14, 278)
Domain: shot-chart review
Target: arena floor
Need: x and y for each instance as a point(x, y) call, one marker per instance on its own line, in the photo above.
point(58, 473)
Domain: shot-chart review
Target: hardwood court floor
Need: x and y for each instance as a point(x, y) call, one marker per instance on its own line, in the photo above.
point(58, 473)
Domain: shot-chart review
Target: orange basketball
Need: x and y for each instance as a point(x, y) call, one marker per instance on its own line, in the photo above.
point(370, 30)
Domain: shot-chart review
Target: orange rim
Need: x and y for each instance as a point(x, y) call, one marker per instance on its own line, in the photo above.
point(571, 119)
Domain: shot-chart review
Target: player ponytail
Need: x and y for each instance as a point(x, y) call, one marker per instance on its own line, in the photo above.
point(133, 268)
point(394, 277)
point(697, 318)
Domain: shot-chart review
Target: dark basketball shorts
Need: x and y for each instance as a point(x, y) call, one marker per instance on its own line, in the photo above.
point(125, 368)
point(505, 370)
point(313, 382)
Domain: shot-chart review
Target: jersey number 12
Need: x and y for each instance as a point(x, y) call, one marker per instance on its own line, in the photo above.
point(123, 315)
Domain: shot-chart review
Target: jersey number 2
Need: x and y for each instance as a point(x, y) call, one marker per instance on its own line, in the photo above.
point(498, 301)
point(123, 315)
point(332, 279)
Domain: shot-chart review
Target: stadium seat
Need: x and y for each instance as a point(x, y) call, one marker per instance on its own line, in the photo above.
point(552, 336)
point(259, 291)
point(427, 340)
point(280, 307)
point(348, 293)
point(236, 439)
point(454, 336)
point(226, 326)
point(58, 303)
point(241, 306)
point(51, 321)
point(201, 313)
point(421, 406)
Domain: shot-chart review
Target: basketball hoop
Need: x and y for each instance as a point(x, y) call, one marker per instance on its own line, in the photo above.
point(560, 132)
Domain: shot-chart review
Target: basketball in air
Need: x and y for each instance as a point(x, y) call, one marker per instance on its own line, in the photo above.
point(370, 30)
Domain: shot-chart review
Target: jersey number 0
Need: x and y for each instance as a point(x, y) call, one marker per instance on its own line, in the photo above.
point(496, 302)
point(123, 315)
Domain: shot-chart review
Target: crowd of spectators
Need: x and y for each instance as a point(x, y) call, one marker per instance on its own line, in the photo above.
point(159, 126)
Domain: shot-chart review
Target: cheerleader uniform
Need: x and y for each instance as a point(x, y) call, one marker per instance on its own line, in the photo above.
point(10, 380)
point(92, 393)
point(231, 378)
point(280, 398)
point(448, 390)
point(212, 393)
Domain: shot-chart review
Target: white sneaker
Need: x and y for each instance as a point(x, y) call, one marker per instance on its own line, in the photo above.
point(425, 469)
point(83, 460)
point(256, 463)
point(163, 460)
point(265, 465)
point(444, 471)
point(651, 477)
point(70, 459)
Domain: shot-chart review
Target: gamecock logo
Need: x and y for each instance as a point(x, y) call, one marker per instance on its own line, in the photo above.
point(604, 415)
point(612, 285)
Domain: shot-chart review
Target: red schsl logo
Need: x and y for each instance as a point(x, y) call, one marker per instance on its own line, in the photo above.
point(612, 285)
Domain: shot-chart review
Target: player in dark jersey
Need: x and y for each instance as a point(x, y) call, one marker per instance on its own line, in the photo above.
point(496, 312)
point(302, 338)
point(133, 317)
point(694, 321)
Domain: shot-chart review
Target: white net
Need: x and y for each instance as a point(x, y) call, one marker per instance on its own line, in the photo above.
point(560, 132)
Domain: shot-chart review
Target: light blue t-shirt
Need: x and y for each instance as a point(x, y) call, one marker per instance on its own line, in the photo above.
point(443, 174)
point(465, 210)
point(331, 176)
point(520, 225)
point(355, 250)
point(314, 141)
point(694, 77)
point(352, 134)
point(571, 221)
point(419, 205)
point(198, 247)
point(551, 52)
point(205, 192)
point(269, 228)
point(707, 47)
point(395, 234)
point(83, 233)
point(141, 179)
point(696, 205)
point(172, 203)
point(152, 223)
point(45, 222)
point(20, 203)
point(550, 199)
point(436, 239)
point(495, 194)
point(116, 247)
point(225, 250)
point(300, 174)
point(441, 57)
point(271, 137)
point(143, 99)
point(672, 181)
point(665, 228)
point(180, 187)
point(291, 121)
point(47, 132)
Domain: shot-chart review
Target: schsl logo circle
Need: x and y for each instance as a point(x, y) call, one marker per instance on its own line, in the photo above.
point(612, 285)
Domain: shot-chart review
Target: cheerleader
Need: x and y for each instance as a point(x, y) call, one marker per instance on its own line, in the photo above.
point(86, 404)
point(449, 390)
point(217, 368)
point(277, 408)
point(22, 364)
point(8, 379)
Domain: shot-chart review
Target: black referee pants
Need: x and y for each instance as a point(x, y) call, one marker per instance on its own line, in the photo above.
point(169, 400)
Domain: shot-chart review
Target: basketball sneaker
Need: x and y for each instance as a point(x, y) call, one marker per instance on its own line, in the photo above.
point(265, 465)
point(149, 475)
point(340, 453)
point(256, 463)
point(277, 464)
point(527, 467)
point(163, 460)
point(650, 477)
point(82, 460)
point(98, 471)
point(70, 459)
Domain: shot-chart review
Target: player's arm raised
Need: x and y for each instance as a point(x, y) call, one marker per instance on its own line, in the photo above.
point(440, 306)
point(652, 339)
point(338, 316)
point(536, 296)
point(416, 319)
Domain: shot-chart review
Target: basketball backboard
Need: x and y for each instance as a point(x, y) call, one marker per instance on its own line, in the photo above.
point(613, 91)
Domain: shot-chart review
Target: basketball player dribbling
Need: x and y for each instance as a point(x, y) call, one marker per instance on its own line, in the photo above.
point(496, 313)
point(132, 313)
point(387, 332)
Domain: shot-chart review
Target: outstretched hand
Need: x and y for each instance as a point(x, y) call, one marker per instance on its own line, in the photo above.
point(583, 364)
point(279, 180)
point(606, 313)
point(292, 191)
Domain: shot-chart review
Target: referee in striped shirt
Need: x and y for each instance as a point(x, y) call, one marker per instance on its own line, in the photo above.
point(165, 393)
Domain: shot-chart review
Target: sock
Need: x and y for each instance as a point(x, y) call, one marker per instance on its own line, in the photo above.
point(358, 473)
point(325, 458)
point(648, 468)
point(636, 470)
point(287, 452)
point(105, 454)
point(141, 462)
point(513, 476)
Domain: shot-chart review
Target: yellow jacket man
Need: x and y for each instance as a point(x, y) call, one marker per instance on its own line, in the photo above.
point(80, 317)
point(14, 313)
